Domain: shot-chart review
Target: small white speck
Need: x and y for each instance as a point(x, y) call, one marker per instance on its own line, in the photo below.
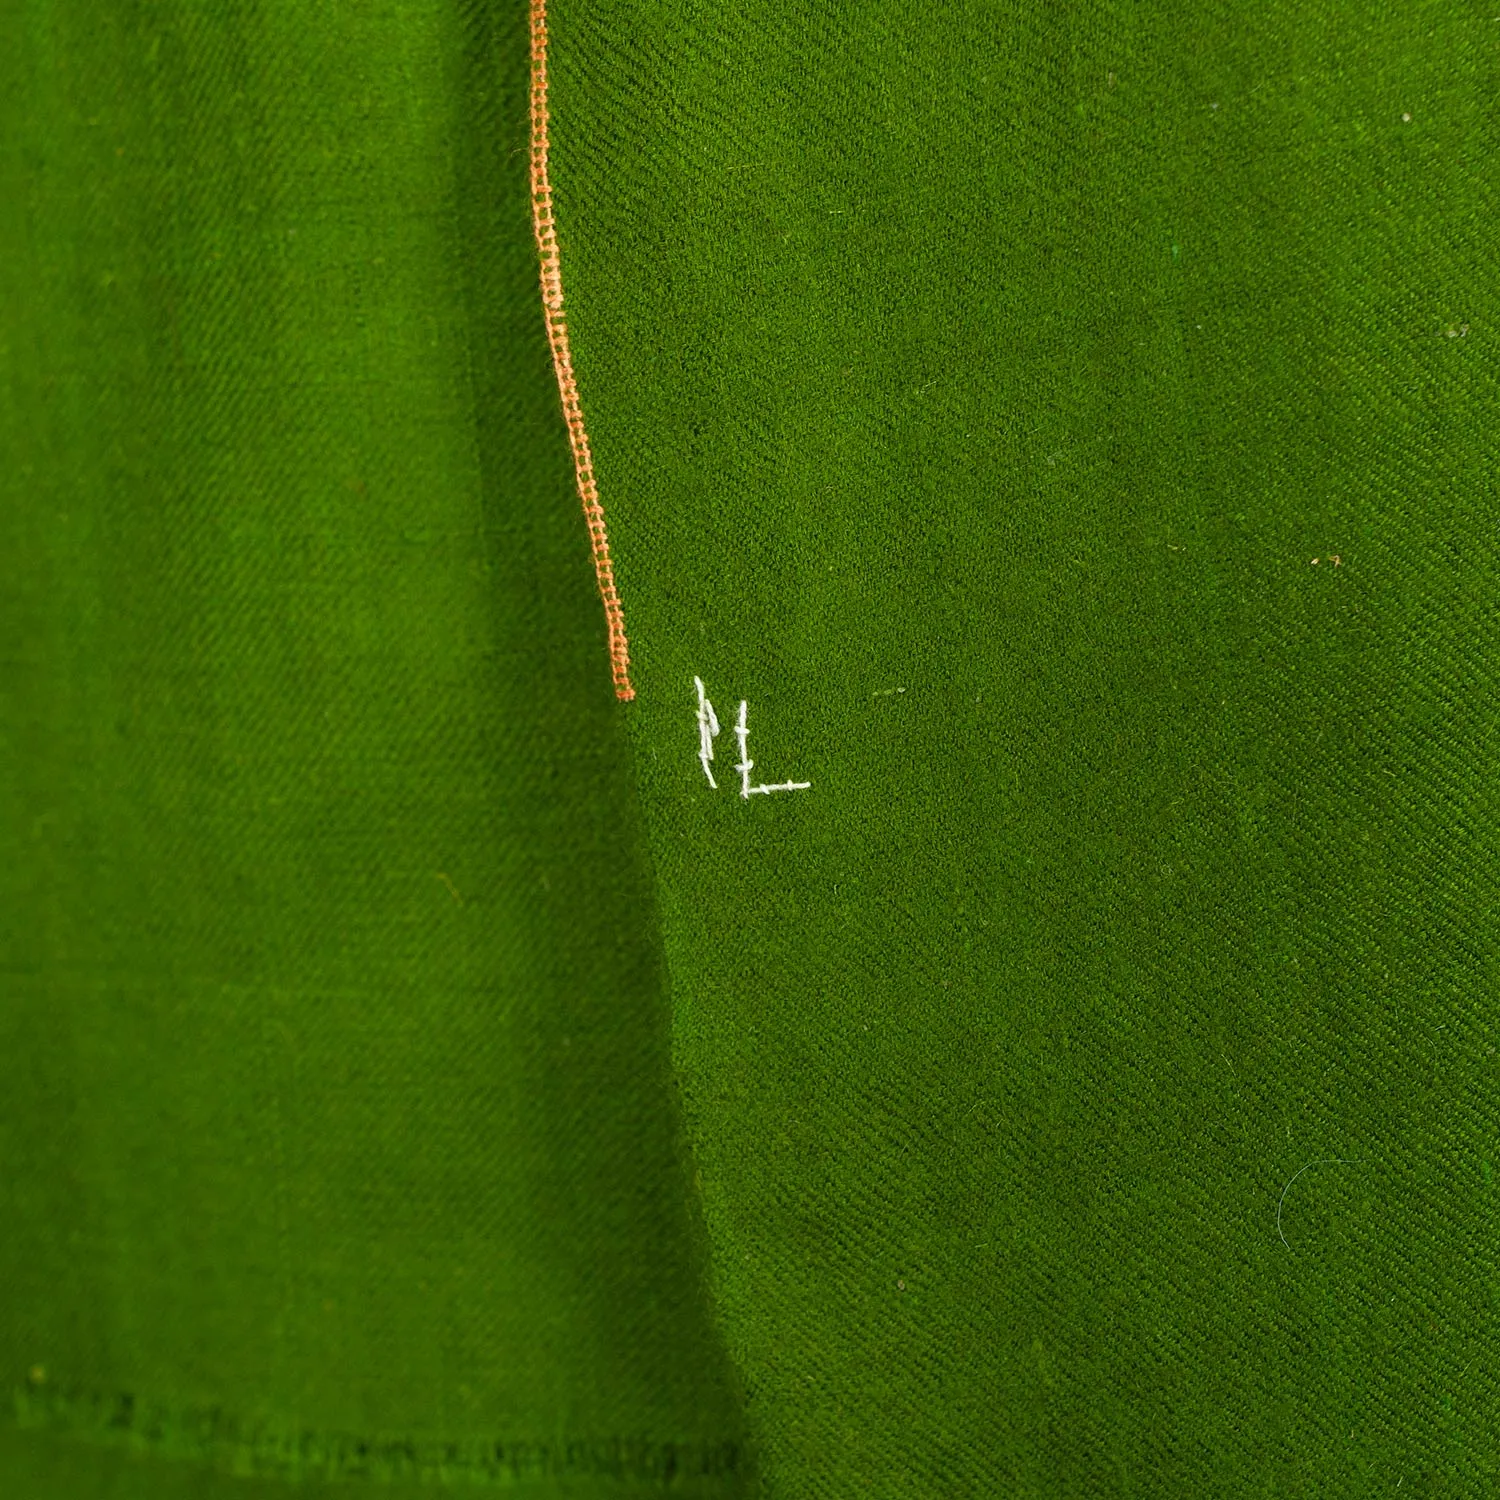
point(1406, 119)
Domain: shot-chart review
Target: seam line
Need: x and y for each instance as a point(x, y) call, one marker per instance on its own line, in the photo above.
point(545, 227)
point(268, 1448)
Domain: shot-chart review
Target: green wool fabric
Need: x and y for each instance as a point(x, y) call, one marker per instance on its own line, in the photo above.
point(336, 1127)
point(1068, 431)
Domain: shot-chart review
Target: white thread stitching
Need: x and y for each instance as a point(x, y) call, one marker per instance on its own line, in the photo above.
point(746, 765)
point(708, 731)
point(742, 734)
point(708, 728)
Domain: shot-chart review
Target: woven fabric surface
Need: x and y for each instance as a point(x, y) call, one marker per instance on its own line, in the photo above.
point(1070, 430)
point(337, 1138)
point(1007, 1008)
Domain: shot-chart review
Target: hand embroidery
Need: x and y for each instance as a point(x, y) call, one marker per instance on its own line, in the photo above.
point(708, 729)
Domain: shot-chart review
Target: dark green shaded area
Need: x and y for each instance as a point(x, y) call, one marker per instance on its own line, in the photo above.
point(335, 1107)
point(1072, 430)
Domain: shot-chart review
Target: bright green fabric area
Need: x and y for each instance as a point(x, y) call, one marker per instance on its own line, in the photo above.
point(1089, 1082)
point(334, 1095)
point(1036, 361)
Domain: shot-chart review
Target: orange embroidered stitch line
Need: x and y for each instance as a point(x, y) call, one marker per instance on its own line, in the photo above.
point(562, 359)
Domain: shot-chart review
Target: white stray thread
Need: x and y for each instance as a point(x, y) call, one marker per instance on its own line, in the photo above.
point(708, 727)
point(1318, 1161)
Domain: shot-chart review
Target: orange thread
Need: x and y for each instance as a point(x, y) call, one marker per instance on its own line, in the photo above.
point(562, 359)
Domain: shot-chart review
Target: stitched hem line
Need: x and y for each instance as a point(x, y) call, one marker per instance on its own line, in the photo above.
point(562, 359)
point(268, 1449)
